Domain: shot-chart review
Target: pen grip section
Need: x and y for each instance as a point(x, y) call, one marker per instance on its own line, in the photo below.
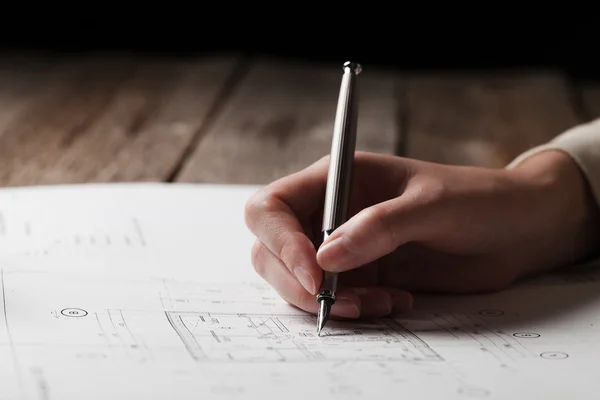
point(329, 286)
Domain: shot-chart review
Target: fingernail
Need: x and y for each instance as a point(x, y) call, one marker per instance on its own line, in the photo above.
point(346, 308)
point(333, 254)
point(305, 279)
point(375, 303)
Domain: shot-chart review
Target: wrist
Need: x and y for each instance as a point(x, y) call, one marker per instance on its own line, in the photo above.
point(571, 217)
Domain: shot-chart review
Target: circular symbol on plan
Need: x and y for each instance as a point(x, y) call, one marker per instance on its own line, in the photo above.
point(526, 335)
point(491, 313)
point(554, 355)
point(73, 312)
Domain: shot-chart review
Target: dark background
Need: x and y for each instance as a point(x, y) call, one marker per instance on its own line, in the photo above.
point(385, 36)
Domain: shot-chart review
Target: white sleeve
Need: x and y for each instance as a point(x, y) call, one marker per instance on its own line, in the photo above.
point(582, 143)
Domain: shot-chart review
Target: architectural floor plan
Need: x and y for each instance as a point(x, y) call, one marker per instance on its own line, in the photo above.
point(162, 318)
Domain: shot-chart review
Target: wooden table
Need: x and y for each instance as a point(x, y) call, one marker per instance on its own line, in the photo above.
point(232, 119)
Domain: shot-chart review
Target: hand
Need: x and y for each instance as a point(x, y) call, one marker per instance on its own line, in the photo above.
point(419, 226)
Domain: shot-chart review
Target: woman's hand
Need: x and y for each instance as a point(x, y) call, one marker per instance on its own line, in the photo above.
point(419, 226)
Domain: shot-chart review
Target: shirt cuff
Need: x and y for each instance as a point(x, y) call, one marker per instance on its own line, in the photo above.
point(582, 144)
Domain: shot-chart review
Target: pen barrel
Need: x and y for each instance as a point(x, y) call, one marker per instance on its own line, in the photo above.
point(337, 195)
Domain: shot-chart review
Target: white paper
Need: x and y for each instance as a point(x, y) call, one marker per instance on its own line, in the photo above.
point(147, 291)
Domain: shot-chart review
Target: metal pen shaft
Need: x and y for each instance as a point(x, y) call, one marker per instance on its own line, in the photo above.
point(337, 195)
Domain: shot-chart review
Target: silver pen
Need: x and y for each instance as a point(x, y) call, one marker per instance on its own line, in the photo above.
point(339, 177)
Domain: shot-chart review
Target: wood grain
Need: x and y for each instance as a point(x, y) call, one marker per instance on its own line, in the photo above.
point(106, 118)
point(280, 120)
point(109, 119)
point(25, 81)
point(486, 119)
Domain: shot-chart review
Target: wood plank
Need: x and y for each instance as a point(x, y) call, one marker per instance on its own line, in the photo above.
point(484, 119)
point(280, 120)
point(111, 119)
point(590, 94)
point(32, 142)
point(24, 80)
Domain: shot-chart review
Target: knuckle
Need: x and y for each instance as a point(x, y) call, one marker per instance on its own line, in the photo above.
point(378, 217)
point(431, 191)
point(436, 191)
point(257, 257)
point(257, 205)
point(250, 208)
point(373, 215)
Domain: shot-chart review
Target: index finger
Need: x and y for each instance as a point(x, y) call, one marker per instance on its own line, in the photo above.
point(274, 215)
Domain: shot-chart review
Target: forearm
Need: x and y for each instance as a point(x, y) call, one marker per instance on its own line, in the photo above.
point(572, 217)
point(582, 144)
point(567, 172)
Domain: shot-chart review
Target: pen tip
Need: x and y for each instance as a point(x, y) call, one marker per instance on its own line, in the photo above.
point(322, 316)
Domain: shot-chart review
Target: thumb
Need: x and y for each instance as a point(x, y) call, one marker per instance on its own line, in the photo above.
point(371, 234)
